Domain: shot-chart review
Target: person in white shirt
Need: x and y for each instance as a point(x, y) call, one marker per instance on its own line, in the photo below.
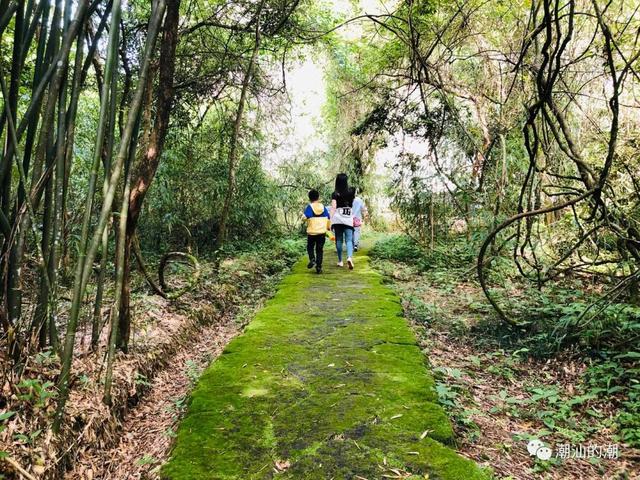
point(360, 213)
point(342, 217)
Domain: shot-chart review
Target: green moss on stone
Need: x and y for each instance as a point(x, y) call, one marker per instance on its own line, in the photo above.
point(327, 376)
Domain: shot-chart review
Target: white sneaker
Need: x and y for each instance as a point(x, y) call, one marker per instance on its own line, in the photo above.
point(350, 263)
point(340, 264)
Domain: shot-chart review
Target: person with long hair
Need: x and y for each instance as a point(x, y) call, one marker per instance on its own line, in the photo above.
point(342, 217)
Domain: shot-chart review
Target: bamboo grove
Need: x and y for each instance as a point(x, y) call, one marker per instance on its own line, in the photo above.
point(135, 56)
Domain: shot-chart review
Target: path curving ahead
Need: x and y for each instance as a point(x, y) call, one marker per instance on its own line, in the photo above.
point(327, 382)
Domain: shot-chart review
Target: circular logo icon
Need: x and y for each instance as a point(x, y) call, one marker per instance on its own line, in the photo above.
point(537, 448)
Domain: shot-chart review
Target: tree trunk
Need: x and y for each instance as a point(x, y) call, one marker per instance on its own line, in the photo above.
point(146, 168)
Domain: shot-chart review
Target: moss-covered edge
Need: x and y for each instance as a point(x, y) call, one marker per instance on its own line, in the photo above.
point(328, 377)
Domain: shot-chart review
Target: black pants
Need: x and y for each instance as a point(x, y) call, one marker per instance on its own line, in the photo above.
point(315, 245)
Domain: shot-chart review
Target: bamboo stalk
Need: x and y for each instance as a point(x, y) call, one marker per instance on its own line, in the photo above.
point(6, 16)
point(13, 294)
point(104, 245)
point(52, 71)
point(30, 210)
point(60, 174)
point(84, 266)
point(120, 262)
point(82, 260)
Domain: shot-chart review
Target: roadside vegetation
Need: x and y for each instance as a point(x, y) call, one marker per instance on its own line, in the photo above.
point(231, 287)
point(506, 385)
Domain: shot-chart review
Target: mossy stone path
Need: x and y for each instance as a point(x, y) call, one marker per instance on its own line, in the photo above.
point(327, 382)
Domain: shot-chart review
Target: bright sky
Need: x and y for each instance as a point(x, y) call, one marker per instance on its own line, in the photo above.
point(301, 132)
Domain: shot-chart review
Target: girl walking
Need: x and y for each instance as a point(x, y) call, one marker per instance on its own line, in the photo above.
point(342, 217)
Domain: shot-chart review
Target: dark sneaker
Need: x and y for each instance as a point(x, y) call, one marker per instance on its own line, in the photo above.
point(318, 269)
point(355, 248)
point(311, 264)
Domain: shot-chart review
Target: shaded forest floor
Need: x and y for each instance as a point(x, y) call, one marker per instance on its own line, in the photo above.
point(148, 429)
point(499, 394)
point(171, 342)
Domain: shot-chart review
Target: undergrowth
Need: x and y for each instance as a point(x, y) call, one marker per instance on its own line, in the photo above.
point(555, 327)
point(234, 284)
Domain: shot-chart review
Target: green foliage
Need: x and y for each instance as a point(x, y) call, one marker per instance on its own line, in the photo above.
point(4, 417)
point(397, 247)
point(192, 371)
point(28, 438)
point(146, 460)
point(451, 394)
point(296, 177)
point(571, 416)
point(36, 392)
point(185, 201)
point(426, 213)
point(456, 255)
point(265, 258)
point(617, 376)
point(422, 312)
point(556, 323)
point(142, 380)
point(629, 422)
point(566, 315)
point(178, 406)
point(46, 358)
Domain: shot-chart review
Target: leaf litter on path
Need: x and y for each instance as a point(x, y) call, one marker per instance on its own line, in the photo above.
point(150, 426)
point(474, 368)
